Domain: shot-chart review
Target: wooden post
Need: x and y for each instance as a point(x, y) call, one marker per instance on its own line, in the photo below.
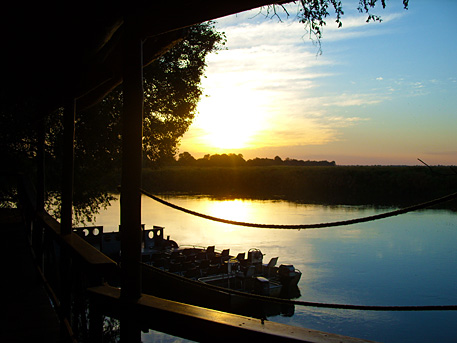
point(95, 323)
point(37, 233)
point(68, 166)
point(40, 160)
point(67, 204)
point(132, 135)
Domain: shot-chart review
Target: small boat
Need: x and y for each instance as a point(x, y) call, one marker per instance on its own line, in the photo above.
point(169, 270)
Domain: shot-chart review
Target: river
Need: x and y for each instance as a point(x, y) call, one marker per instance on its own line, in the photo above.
point(404, 260)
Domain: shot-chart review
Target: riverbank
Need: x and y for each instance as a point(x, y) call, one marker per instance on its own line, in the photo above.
point(344, 185)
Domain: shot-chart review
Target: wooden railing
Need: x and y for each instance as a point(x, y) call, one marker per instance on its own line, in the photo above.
point(68, 265)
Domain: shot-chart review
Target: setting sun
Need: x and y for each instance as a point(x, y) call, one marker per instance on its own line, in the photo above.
point(231, 121)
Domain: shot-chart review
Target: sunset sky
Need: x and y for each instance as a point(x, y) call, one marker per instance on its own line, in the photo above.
point(380, 93)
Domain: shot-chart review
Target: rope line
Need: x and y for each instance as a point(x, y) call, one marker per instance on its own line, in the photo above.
point(378, 308)
point(307, 226)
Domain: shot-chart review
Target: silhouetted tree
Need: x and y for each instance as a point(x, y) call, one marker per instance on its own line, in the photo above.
point(186, 159)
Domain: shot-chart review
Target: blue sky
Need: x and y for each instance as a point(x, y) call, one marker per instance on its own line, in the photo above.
point(380, 93)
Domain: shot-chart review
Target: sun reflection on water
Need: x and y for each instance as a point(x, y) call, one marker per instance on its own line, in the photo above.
point(236, 209)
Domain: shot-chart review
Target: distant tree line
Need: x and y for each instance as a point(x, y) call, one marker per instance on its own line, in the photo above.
point(339, 185)
point(237, 160)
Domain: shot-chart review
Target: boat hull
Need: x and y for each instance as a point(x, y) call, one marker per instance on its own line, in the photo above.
point(174, 287)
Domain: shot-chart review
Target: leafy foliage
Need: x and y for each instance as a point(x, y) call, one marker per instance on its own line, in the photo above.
point(172, 91)
point(314, 13)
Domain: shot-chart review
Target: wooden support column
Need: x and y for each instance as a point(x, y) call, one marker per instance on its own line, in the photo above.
point(67, 205)
point(68, 166)
point(40, 160)
point(37, 233)
point(132, 134)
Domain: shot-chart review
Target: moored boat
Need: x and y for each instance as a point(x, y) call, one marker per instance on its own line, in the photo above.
point(178, 273)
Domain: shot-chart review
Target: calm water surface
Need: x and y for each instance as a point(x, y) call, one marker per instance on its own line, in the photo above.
point(404, 260)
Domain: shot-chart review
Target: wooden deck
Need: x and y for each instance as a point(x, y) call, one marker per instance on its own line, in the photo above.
point(28, 315)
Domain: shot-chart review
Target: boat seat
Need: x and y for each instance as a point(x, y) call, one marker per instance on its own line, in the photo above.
point(269, 268)
point(241, 256)
point(244, 276)
point(210, 252)
point(225, 255)
point(272, 262)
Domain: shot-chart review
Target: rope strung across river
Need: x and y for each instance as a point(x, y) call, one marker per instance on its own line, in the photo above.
point(308, 226)
point(406, 308)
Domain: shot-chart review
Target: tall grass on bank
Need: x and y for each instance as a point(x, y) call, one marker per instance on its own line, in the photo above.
point(355, 185)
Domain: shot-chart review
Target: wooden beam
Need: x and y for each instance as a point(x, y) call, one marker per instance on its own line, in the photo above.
point(165, 16)
point(206, 325)
point(90, 43)
point(106, 73)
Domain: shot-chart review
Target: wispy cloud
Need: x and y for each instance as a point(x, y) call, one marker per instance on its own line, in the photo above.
point(346, 100)
point(270, 70)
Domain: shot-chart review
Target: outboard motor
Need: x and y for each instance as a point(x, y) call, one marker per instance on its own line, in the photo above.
point(261, 286)
point(288, 275)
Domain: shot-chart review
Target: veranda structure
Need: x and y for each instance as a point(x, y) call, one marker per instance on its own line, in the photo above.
point(70, 55)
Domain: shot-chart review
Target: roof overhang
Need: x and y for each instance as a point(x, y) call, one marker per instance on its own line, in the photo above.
point(58, 51)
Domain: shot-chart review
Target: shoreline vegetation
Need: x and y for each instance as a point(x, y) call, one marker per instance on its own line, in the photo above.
point(319, 183)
